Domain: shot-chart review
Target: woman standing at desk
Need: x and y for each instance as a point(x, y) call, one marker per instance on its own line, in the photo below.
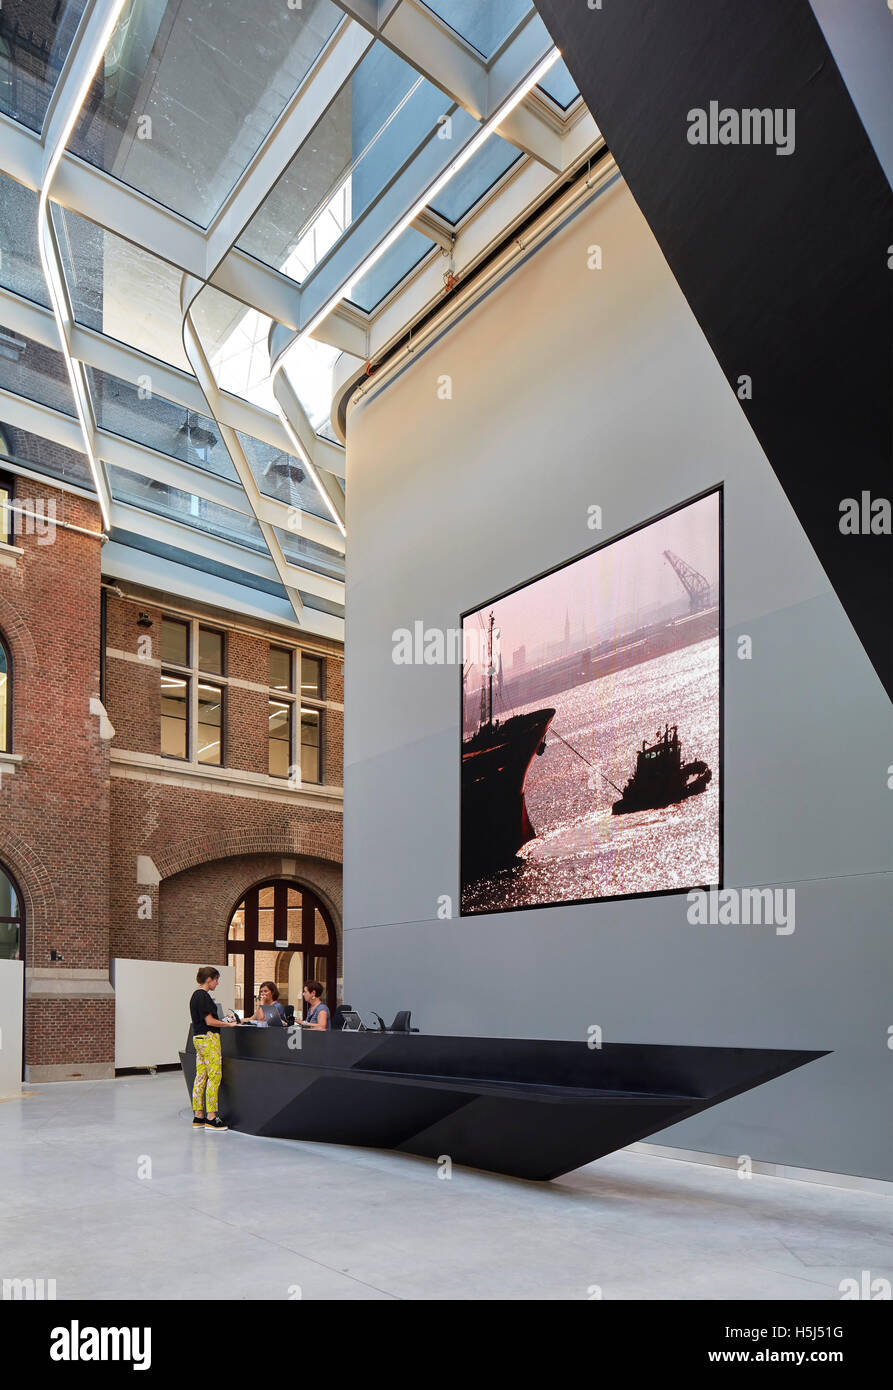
point(206, 1041)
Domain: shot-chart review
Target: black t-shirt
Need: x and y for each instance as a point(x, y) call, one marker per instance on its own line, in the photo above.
point(200, 1005)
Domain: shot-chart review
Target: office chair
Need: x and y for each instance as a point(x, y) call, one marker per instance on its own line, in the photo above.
point(338, 1016)
point(401, 1023)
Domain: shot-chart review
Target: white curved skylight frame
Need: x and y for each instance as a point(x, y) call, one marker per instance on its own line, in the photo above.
point(496, 93)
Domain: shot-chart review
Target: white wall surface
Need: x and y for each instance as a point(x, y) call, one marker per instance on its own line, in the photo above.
point(11, 986)
point(152, 1008)
point(573, 387)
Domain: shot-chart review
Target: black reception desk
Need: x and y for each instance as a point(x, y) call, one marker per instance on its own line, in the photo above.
point(529, 1109)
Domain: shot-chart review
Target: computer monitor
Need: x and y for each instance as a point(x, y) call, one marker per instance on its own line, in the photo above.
point(272, 1015)
point(351, 1022)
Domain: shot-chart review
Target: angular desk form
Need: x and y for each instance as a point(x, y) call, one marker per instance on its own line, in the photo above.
point(526, 1108)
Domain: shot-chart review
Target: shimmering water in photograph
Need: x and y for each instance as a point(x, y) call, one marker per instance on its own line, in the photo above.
point(581, 850)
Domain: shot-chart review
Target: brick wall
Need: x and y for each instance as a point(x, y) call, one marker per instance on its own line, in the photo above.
point(54, 809)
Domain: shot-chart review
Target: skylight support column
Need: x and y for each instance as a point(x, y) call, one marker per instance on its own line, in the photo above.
point(86, 54)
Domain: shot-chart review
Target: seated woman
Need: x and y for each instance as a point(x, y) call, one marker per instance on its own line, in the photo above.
point(318, 1014)
point(267, 994)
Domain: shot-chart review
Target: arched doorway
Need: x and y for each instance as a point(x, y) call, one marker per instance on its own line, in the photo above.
point(281, 931)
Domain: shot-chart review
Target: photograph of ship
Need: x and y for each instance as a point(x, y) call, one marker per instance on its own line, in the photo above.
point(591, 696)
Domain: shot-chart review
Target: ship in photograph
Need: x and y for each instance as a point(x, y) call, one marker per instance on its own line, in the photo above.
point(661, 778)
point(495, 761)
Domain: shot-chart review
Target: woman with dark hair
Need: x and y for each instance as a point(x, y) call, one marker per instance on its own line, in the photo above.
point(206, 1041)
point(267, 996)
point(318, 1014)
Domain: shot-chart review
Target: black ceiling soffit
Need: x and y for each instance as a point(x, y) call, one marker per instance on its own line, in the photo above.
point(783, 257)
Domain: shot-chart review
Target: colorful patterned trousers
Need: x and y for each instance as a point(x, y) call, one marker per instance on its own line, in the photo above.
point(208, 1071)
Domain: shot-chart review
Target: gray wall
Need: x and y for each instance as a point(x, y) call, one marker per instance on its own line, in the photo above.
point(572, 387)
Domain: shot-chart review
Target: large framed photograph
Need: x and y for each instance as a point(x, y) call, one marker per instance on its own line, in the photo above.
point(591, 759)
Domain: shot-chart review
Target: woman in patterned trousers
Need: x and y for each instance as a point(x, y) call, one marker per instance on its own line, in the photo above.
point(206, 1041)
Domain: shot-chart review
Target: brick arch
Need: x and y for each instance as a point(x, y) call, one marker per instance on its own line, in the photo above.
point(293, 841)
point(34, 882)
point(17, 635)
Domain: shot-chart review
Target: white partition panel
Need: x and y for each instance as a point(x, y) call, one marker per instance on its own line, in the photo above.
point(11, 994)
point(152, 1008)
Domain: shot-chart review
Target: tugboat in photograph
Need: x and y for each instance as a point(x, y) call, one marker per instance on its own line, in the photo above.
point(495, 762)
point(661, 778)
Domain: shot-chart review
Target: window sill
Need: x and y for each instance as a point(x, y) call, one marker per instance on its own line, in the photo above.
point(9, 554)
point(9, 762)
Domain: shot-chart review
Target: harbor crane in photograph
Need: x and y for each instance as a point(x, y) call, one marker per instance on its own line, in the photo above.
point(695, 585)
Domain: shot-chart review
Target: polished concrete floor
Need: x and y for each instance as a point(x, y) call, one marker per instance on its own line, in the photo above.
point(105, 1188)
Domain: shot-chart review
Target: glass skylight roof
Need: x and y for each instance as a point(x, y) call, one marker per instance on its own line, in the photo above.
point(123, 408)
point(559, 85)
point(20, 268)
point(483, 23)
point(409, 248)
point(189, 90)
point(185, 159)
point(44, 455)
point(121, 289)
point(36, 372)
point(473, 180)
point(370, 130)
point(34, 43)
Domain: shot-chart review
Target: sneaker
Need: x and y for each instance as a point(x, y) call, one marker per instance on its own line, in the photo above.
point(216, 1123)
point(198, 1122)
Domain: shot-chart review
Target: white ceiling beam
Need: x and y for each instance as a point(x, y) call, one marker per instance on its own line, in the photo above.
point(435, 228)
point(435, 50)
point(179, 535)
point(306, 108)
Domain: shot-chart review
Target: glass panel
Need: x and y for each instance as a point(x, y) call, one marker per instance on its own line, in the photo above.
point(237, 925)
point(264, 969)
point(559, 85)
point(311, 677)
point(280, 739)
point(266, 897)
point(235, 342)
point(282, 476)
point(174, 716)
point(194, 75)
point(294, 925)
point(4, 725)
point(210, 724)
point(138, 414)
point(34, 42)
point(320, 930)
point(319, 969)
point(280, 668)
point(484, 23)
point(175, 641)
point(185, 507)
point(20, 268)
point(364, 138)
point(310, 554)
point(395, 264)
point(120, 289)
point(265, 924)
point(310, 720)
point(29, 369)
point(309, 366)
point(45, 455)
point(475, 178)
point(210, 651)
point(238, 963)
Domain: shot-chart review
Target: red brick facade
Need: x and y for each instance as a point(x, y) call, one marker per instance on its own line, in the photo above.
point(80, 810)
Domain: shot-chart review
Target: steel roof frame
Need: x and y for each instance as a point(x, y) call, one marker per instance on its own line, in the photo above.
point(213, 257)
